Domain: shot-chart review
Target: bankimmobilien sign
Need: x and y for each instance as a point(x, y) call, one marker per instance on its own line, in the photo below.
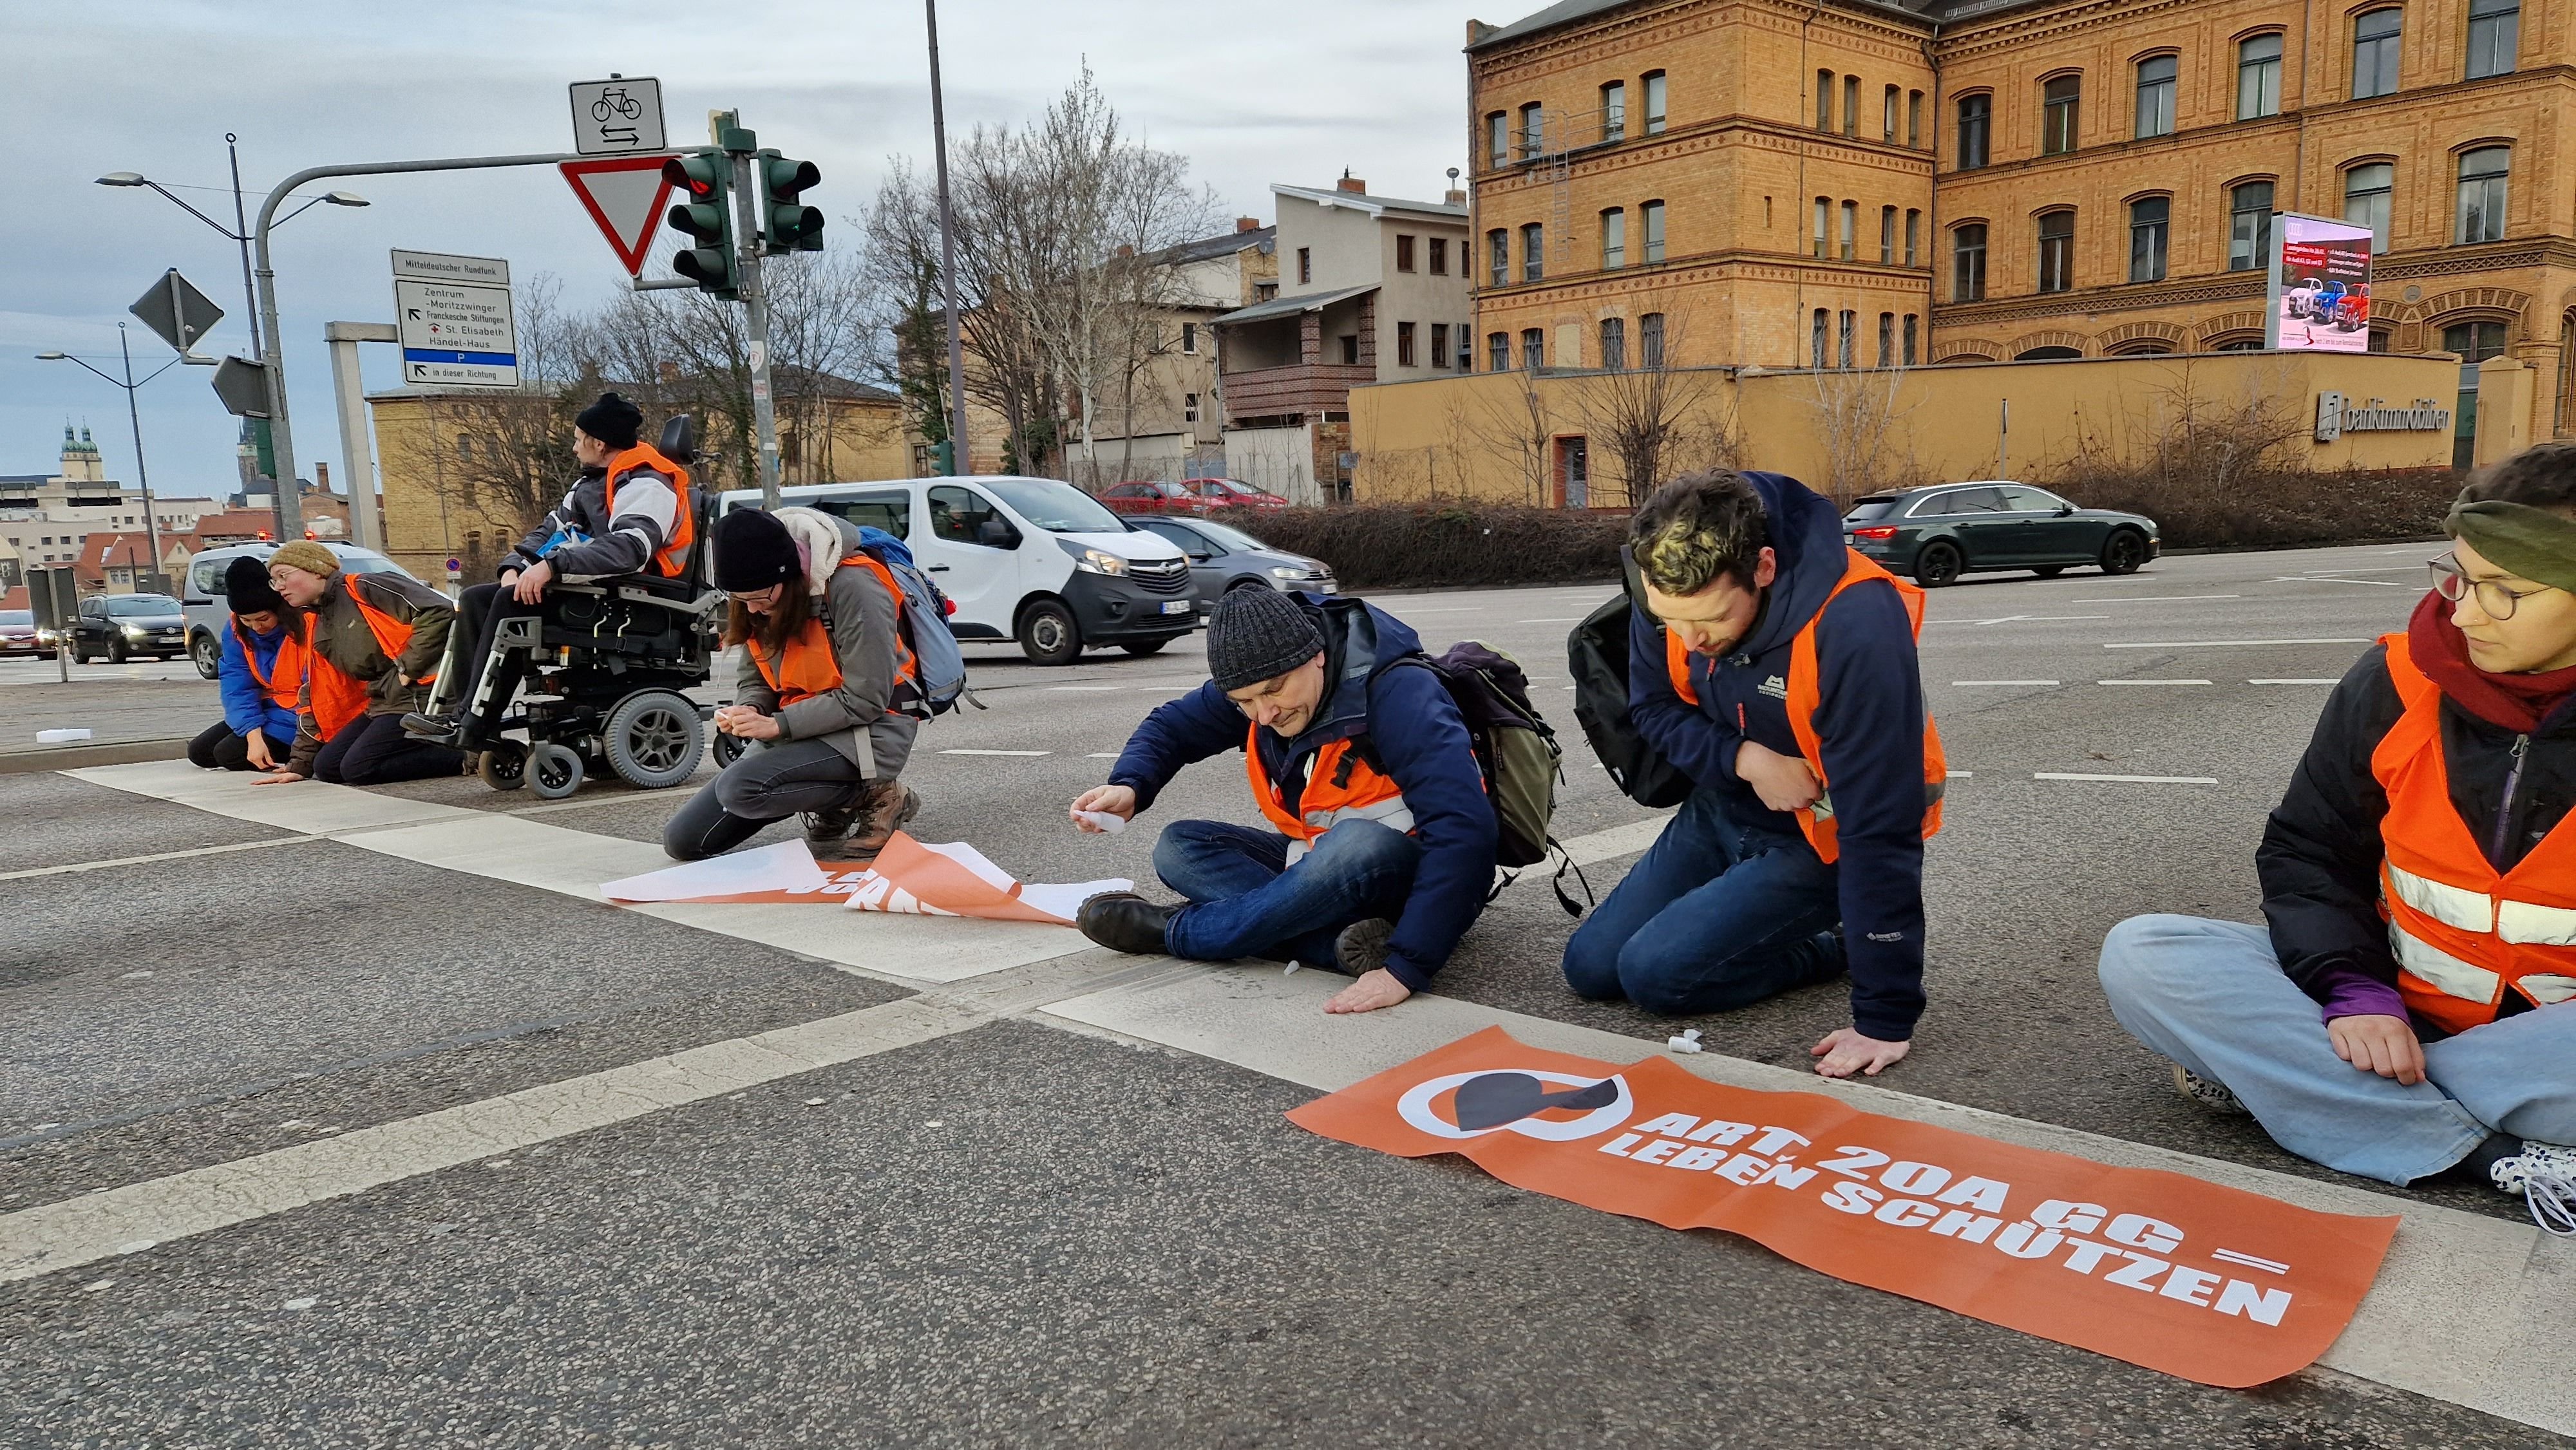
point(2337, 415)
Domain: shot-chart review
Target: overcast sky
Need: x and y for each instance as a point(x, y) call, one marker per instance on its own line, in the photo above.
point(1251, 94)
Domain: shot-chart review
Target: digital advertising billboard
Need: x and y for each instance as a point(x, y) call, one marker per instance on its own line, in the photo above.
point(2320, 285)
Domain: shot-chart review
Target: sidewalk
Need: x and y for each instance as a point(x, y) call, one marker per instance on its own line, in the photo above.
point(127, 719)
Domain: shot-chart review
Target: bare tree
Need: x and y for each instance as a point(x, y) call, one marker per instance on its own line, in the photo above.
point(1856, 413)
point(511, 454)
point(1639, 414)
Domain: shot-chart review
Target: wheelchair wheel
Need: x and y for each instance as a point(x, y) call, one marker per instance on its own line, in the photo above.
point(653, 739)
point(728, 749)
point(553, 771)
point(504, 766)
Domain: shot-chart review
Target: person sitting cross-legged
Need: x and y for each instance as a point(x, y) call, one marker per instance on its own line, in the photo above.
point(2411, 1008)
point(1380, 847)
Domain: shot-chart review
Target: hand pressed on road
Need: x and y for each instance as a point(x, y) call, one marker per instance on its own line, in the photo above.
point(278, 777)
point(2381, 1044)
point(1370, 992)
point(1120, 801)
point(1783, 781)
point(1845, 1051)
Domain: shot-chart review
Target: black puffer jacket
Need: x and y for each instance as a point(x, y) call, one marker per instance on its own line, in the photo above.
point(2320, 858)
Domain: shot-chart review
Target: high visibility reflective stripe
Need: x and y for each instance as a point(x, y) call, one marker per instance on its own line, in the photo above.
point(2442, 971)
point(2534, 925)
point(2449, 905)
point(1391, 813)
point(2547, 990)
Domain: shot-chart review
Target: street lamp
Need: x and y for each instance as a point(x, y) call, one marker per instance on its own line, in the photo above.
point(134, 417)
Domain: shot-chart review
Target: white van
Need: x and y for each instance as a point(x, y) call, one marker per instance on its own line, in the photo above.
point(201, 597)
point(1031, 559)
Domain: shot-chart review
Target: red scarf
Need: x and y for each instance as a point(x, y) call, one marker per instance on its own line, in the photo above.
point(2517, 702)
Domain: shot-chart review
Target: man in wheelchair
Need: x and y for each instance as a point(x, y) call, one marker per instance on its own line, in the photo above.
point(631, 513)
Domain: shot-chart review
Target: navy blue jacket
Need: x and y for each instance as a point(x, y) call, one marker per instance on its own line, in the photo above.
point(1869, 727)
point(247, 707)
point(1421, 743)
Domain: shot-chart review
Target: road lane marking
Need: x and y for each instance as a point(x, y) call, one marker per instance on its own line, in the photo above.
point(1102, 755)
point(2293, 682)
point(157, 856)
point(2231, 643)
point(2127, 779)
point(1021, 754)
point(1462, 609)
point(2151, 682)
point(2330, 579)
point(1556, 619)
point(1090, 689)
point(1975, 684)
point(2152, 598)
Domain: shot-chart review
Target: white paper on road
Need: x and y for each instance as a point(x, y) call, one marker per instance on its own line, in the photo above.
point(1103, 820)
point(908, 878)
point(787, 866)
point(60, 737)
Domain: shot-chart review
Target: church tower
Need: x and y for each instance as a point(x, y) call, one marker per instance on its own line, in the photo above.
point(81, 461)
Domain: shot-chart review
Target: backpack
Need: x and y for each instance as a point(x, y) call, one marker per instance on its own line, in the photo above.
point(1515, 750)
point(1597, 656)
point(925, 624)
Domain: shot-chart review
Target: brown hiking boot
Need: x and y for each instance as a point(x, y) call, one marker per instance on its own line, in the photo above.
point(878, 815)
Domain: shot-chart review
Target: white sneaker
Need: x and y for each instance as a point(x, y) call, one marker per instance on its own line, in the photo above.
point(2545, 1175)
point(2214, 1096)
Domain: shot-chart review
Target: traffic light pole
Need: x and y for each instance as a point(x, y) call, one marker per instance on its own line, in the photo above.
point(290, 506)
point(755, 305)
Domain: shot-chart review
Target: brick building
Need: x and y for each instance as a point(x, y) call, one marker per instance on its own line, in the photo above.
point(1849, 184)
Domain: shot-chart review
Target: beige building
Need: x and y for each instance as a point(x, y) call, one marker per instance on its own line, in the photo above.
point(1168, 426)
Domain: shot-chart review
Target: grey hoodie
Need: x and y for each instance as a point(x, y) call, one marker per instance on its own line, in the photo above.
point(862, 619)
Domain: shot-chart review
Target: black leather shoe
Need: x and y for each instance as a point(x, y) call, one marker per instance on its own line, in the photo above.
point(1361, 948)
point(1125, 922)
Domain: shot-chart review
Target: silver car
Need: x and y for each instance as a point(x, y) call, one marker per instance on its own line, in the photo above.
point(202, 600)
point(1223, 557)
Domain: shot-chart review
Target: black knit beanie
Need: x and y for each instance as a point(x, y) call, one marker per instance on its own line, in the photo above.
point(612, 420)
point(753, 550)
point(247, 589)
point(1259, 634)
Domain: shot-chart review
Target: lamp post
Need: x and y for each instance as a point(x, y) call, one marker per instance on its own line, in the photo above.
point(134, 417)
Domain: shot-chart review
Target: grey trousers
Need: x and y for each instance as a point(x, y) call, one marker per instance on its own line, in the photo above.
point(770, 783)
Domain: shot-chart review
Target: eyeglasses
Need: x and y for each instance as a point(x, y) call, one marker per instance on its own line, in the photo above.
point(2494, 600)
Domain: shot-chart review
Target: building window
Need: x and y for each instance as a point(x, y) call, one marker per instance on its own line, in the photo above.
point(1887, 236)
point(2149, 220)
point(1824, 225)
point(1914, 119)
point(2060, 102)
point(1824, 100)
point(1533, 252)
point(1498, 244)
point(1189, 407)
point(2493, 27)
point(1888, 118)
point(1439, 256)
point(1976, 122)
point(1653, 81)
point(2374, 53)
point(1913, 338)
point(1851, 225)
point(1533, 129)
point(1650, 340)
point(2156, 84)
point(2056, 251)
point(1305, 265)
point(1440, 344)
point(1614, 238)
point(1350, 349)
point(2258, 77)
point(1650, 218)
point(1404, 345)
point(1189, 337)
point(1264, 291)
point(1614, 343)
point(1403, 252)
point(2475, 342)
point(1614, 111)
point(1467, 346)
point(1498, 352)
point(1533, 348)
point(1498, 139)
point(1913, 238)
point(1845, 326)
point(1887, 339)
point(1968, 263)
point(1851, 105)
point(1816, 336)
point(2482, 176)
point(2249, 226)
point(2366, 193)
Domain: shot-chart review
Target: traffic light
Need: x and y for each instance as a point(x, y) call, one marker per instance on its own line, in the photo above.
point(943, 459)
point(785, 224)
point(706, 214)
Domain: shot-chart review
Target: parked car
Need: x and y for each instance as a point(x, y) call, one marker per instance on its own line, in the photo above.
point(1152, 498)
point(1223, 557)
point(1220, 493)
point(1938, 533)
point(1032, 559)
point(18, 634)
point(121, 626)
point(202, 596)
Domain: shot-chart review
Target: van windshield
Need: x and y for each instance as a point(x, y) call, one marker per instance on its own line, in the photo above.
point(1058, 508)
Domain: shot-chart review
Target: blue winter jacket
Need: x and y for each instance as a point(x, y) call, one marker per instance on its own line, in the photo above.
point(1869, 725)
point(1418, 738)
point(247, 707)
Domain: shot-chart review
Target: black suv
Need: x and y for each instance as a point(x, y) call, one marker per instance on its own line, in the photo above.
point(121, 626)
point(1937, 534)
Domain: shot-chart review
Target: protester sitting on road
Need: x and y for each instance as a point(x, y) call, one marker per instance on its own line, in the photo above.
point(375, 642)
point(2405, 1015)
point(631, 511)
point(260, 675)
point(1783, 666)
point(1382, 848)
point(824, 680)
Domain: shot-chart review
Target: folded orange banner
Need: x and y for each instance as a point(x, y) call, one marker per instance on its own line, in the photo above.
point(2213, 1284)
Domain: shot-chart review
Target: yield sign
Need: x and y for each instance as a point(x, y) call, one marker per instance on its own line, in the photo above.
point(625, 195)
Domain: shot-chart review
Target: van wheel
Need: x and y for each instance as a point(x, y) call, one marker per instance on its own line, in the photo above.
point(206, 655)
point(1142, 647)
point(1048, 635)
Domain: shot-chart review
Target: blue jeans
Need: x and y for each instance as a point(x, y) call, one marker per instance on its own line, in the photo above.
point(1714, 917)
point(1247, 901)
point(2212, 996)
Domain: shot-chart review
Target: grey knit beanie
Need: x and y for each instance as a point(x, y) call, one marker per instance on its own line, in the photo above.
point(1259, 634)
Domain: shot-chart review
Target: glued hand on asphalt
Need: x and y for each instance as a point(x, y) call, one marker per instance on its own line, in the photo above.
point(1845, 1051)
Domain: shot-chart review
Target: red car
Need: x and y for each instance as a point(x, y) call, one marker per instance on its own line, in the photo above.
point(1152, 498)
point(1222, 493)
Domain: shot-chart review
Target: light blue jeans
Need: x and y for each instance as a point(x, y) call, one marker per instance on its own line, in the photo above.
point(2212, 996)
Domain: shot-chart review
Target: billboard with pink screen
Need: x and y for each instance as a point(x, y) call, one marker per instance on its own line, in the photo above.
point(2320, 285)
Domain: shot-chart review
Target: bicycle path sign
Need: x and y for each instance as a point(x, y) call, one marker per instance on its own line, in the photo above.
point(620, 116)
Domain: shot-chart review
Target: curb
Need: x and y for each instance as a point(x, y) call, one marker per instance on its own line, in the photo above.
point(75, 757)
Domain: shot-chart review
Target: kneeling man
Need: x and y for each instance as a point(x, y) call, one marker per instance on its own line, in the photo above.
point(1381, 851)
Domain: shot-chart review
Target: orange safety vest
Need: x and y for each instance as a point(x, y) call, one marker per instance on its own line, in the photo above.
point(2462, 932)
point(1340, 786)
point(286, 676)
point(673, 560)
point(1817, 821)
point(810, 666)
point(338, 696)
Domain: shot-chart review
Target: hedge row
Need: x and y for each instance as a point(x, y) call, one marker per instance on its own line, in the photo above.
point(2271, 510)
point(1452, 544)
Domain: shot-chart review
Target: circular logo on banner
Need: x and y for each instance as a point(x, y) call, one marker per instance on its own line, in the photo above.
point(1493, 1101)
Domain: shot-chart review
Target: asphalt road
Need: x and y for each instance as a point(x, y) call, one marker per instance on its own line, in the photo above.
point(1008, 1227)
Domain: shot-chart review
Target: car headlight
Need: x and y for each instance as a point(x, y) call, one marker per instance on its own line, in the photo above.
point(1097, 561)
point(1285, 573)
point(134, 631)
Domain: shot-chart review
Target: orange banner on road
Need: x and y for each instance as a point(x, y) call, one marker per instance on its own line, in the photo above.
point(2163, 1270)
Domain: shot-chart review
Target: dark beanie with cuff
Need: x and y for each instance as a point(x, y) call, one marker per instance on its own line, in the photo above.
point(612, 420)
point(751, 551)
point(1259, 634)
point(247, 590)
